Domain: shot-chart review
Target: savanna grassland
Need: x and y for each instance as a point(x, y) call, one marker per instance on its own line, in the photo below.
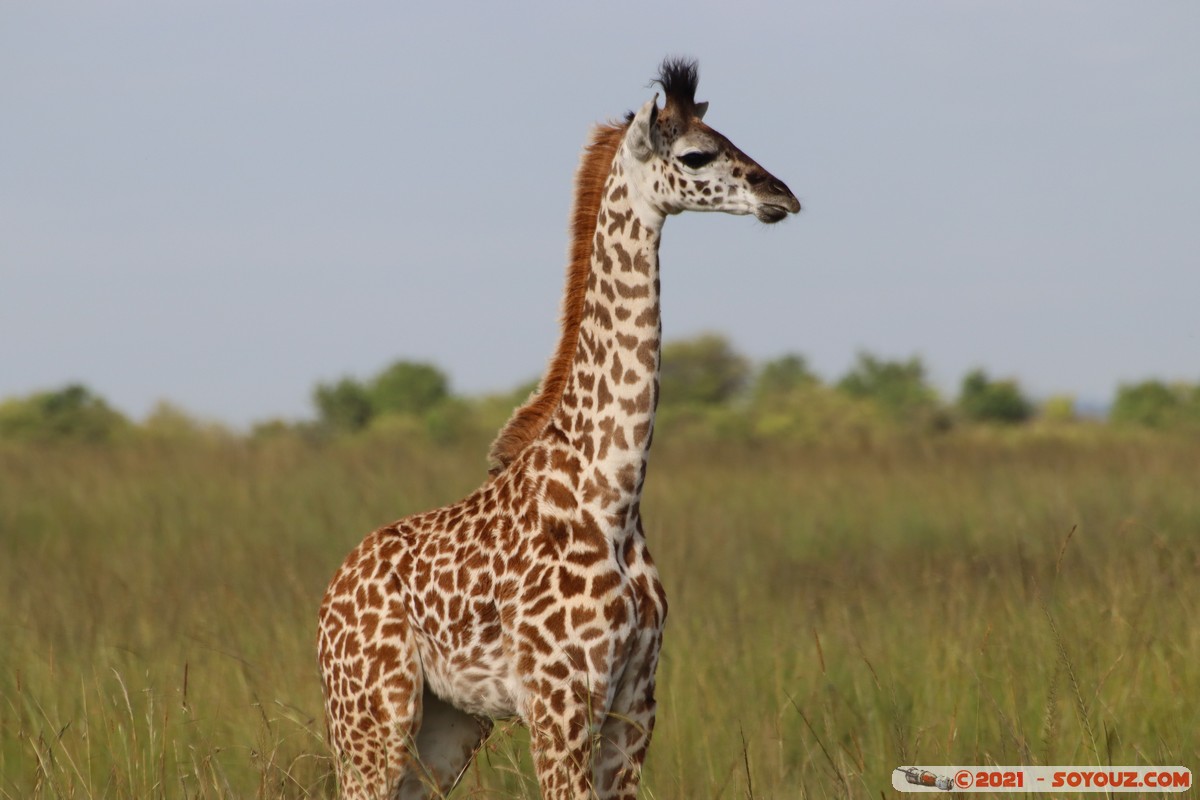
point(836, 611)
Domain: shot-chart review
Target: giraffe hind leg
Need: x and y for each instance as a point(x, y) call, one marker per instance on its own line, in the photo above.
point(625, 735)
point(446, 744)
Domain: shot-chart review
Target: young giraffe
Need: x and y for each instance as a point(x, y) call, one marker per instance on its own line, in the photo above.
point(536, 596)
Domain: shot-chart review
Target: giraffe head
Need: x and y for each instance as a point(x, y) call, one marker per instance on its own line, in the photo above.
point(682, 164)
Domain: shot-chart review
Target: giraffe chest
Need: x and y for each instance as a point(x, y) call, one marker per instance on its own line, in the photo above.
point(497, 619)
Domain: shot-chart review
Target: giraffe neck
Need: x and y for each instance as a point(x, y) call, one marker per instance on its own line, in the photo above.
point(608, 404)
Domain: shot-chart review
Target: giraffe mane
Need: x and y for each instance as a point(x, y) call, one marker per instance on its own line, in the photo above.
point(529, 420)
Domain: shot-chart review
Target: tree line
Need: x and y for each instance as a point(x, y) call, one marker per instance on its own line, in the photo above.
point(707, 387)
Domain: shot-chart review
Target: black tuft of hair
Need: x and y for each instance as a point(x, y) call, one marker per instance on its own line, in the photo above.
point(678, 78)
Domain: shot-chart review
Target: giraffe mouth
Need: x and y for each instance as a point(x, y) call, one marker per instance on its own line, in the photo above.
point(770, 213)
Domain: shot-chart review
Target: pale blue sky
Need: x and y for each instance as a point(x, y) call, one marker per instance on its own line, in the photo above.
point(221, 203)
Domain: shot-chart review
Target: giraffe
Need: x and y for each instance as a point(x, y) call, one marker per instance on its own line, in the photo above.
point(535, 596)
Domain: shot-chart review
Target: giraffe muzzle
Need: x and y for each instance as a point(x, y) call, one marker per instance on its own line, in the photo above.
point(775, 201)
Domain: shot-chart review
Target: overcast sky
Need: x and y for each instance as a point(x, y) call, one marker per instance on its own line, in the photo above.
point(221, 203)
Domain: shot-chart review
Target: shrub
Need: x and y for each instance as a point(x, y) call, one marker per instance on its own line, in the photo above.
point(1058, 408)
point(702, 371)
point(899, 388)
point(344, 406)
point(782, 376)
point(1155, 404)
point(71, 413)
point(984, 400)
point(407, 387)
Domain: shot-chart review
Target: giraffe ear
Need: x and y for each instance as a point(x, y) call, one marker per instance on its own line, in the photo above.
point(641, 130)
point(700, 109)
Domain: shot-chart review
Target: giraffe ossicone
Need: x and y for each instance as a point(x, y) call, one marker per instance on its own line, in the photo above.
point(535, 597)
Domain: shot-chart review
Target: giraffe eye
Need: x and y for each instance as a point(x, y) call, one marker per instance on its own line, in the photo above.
point(696, 159)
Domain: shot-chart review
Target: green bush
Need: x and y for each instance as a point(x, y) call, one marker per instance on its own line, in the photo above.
point(344, 406)
point(169, 422)
point(72, 413)
point(1155, 404)
point(899, 388)
point(782, 376)
point(407, 387)
point(1059, 408)
point(812, 413)
point(704, 371)
point(982, 399)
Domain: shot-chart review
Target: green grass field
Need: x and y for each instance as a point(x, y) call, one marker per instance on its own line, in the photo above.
point(835, 611)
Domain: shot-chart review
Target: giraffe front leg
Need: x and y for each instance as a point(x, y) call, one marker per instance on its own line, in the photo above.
point(561, 742)
point(564, 715)
point(373, 688)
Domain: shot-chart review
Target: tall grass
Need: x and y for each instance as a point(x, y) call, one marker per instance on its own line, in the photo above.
point(836, 612)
